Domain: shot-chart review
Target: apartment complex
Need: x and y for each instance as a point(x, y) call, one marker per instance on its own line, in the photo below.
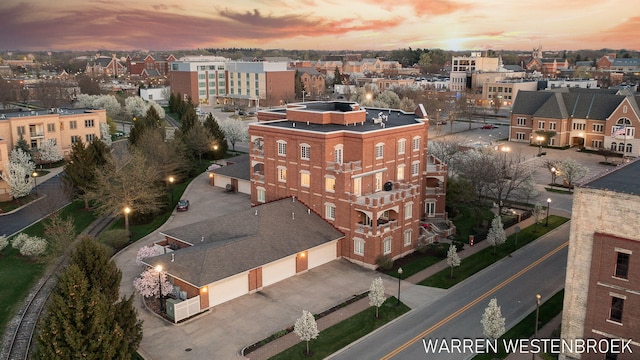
point(462, 68)
point(593, 118)
point(602, 289)
point(365, 171)
point(63, 126)
point(217, 80)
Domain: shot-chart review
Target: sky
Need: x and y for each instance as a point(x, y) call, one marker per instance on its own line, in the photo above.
point(36, 25)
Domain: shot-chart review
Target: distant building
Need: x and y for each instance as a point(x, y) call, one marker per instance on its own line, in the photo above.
point(462, 68)
point(602, 290)
point(313, 82)
point(614, 63)
point(105, 66)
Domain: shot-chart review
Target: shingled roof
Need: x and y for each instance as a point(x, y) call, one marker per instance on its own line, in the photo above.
point(561, 104)
point(231, 244)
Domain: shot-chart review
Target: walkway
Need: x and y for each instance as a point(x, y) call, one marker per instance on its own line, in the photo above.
point(411, 294)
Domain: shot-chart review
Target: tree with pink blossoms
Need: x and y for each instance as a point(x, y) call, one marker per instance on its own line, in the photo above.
point(147, 252)
point(147, 283)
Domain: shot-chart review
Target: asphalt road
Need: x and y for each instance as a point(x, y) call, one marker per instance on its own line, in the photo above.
point(514, 281)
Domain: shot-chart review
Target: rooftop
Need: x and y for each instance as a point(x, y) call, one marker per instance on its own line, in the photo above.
point(622, 180)
point(62, 112)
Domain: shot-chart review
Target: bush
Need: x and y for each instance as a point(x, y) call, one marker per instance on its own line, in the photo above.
point(459, 245)
point(384, 262)
point(116, 239)
point(19, 240)
point(3, 242)
point(33, 246)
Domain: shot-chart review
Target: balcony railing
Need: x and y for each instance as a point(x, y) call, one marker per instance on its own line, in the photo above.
point(344, 167)
point(434, 191)
point(258, 176)
point(36, 134)
point(435, 165)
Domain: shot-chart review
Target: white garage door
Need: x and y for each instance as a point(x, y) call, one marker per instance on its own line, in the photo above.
point(278, 270)
point(228, 289)
point(322, 254)
point(221, 180)
point(244, 187)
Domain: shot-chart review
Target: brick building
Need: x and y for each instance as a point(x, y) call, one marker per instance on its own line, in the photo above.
point(106, 66)
point(602, 290)
point(136, 66)
point(366, 171)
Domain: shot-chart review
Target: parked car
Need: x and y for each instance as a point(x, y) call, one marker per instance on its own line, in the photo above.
point(183, 205)
point(488, 126)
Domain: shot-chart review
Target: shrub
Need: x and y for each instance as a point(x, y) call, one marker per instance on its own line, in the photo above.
point(19, 240)
point(33, 246)
point(459, 245)
point(3, 242)
point(384, 262)
point(116, 239)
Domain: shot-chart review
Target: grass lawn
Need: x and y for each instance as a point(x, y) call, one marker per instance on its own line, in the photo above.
point(345, 332)
point(484, 258)
point(526, 328)
point(467, 220)
point(416, 262)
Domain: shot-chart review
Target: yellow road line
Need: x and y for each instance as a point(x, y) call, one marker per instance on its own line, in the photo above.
point(474, 302)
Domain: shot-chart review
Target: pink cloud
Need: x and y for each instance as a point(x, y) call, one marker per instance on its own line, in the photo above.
point(425, 7)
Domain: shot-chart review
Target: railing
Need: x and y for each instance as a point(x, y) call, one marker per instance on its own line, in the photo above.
point(344, 167)
point(363, 229)
point(258, 176)
point(434, 191)
point(35, 134)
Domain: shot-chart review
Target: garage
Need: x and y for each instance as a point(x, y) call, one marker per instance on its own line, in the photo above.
point(227, 289)
point(322, 254)
point(279, 270)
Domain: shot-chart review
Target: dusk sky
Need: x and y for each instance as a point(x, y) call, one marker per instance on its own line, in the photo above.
point(319, 24)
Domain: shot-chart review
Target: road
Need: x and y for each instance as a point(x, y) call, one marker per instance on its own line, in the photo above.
point(514, 281)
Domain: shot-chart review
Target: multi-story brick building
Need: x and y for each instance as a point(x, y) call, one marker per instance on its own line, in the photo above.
point(366, 171)
point(64, 126)
point(313, 82)
point(602, 290)
point(106, 66)
point(463, 68)
point(136, 66)
point(203, 78)
point(593, 118)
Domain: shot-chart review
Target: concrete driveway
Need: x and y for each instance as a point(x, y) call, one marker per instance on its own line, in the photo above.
point(225, 330)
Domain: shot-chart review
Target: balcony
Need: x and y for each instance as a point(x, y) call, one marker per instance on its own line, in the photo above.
point(434, 191)
point(258, 176)
point(434, 165)
point(257, 152)
point(36, 134)
point(398, 193)
point(344, 167)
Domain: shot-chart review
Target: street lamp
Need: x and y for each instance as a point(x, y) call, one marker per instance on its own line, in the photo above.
point(548, 206)
point(171, 180)
point(540, 138)
point(127, 210)
point(303, 92)
point(34, 175)
point(159, 270)
point(553, 175)
point(399, 278)
point(533, 355)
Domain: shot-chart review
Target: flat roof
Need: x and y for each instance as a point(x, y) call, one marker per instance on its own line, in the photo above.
point(61, 112)
point(623, 179)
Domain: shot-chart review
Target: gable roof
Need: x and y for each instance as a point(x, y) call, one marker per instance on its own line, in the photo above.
point(563, 103)
point(239, 169)
point(235, 243)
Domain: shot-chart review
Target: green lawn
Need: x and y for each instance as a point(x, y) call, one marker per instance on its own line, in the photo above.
point(526, 328)
point(484, 258)
point(345, 332)
point(467, 220)
point(416, 262)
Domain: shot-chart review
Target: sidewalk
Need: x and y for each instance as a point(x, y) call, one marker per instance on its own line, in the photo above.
point(543, 333)
point(275, 347)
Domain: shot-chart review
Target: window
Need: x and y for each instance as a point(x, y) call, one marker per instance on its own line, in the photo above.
point(615, 313)
point(90, 137)
point(415, 168)
point(407, 237)
point(387, 246)
point(622, 265)
point(430, 209)
point(540, 124)
point(596, 144)
point(598, 128)
point(357, 186)
point(51, 127)
point(75, 139)
point(408, 210)
point(261, 194)
point(401, 145)
point(379, 151)
point(521, 121)
point(579, 126)
point(400, 172)
point(629, 148)
point(552, 126)
point(88, 123)
point(378, 181)
point(337, 154)
point(416, 143)
point(201, 76)
point(282, 174)
point(330, 211)
point(330, 184)
point(305, 151)
point(520, 136)
point(73, 125)
point(282, 148)
point(305, 179)
point(358, 246)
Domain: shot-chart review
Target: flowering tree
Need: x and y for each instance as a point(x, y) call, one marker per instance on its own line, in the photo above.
point(147, 283)
point(49, 152)
point(107, 102)
point(234, 131)
point(136, 106)
point(19, 240)
point(571, 170)
point(453, 260)
point(3, 242)
point(18, 174)
point(146, 252)
point(376, 294)
point(492, 320)
point(306, 328)
point(33, 246)
point(105, 134)
point(496, 235)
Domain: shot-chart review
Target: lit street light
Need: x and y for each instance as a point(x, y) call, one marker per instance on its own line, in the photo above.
point(34, 175)
point(533, 355)
point(127, 210)
point(540, 138)
point(159, 270)
point(171, 180)
point(548, 206)
point(399, 278)
point(553, 175)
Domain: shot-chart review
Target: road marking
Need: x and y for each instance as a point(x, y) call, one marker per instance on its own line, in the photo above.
point(473, 303)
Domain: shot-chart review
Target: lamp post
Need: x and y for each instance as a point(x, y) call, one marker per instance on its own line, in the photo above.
point(553, 175)
point(303, 92)
point(171, 180)
point(127, 210)
point(34, 175)
point(399, 278)
point(159, 270)
point(533, 355)
point(540, 138)
point(548, 206)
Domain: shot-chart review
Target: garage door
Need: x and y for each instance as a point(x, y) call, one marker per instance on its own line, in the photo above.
point(322, 254)
point(228, 289)
point(244, 187)
point(221, 180)
point(278, 271)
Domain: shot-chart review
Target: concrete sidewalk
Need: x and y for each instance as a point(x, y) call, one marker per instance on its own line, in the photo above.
point(411, 295)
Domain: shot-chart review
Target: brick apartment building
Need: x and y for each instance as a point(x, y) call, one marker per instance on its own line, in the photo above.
point(365, 171)
point(136, 66)
point(593, 118)
point(64, 126)
point(602, 290)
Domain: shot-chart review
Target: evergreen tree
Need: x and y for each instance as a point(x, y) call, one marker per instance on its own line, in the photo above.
point(79, 171)
point(218, 136)
point(22, 144)
point(188, 119)
point(101, 272)
point(172, 102)
point(127, 318)
point(149, 122)
point(337, 77)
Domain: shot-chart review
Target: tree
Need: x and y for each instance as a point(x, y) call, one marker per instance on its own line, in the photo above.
point(606, 153)
point(126, 316)
point(146, 252)
point(211, 124)
point(198, 140)
point(22, 145)
point(135, 106)
point(492, 320)
point(4, 242)
point(33, 246)
point(376, 294)
point(18, 174)
point(147, 283)
point(107, 102)
point(572, 171)
point(101, 271)
point(188, 119)
point(60, 233)
point(49, 152)
point(169, 157)
point(496, 235)
point(234, 131)
point(298, 85)
point(453, 260)
point(88, 85)
point(79, 172)
point(537, 212)
point(337, 76)
point(105, 134)
point(150, 121)
point(306, 328)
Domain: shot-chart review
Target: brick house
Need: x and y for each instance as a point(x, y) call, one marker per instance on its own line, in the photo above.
point(313, 82)
point(366, 171)
point(106, 66)
point(602, 290)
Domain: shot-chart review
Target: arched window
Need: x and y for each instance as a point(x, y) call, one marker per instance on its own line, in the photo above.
point(629, 148)
point(614, 146)
point(621, 147)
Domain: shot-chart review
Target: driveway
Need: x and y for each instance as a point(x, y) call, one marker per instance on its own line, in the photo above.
point(222, 332)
